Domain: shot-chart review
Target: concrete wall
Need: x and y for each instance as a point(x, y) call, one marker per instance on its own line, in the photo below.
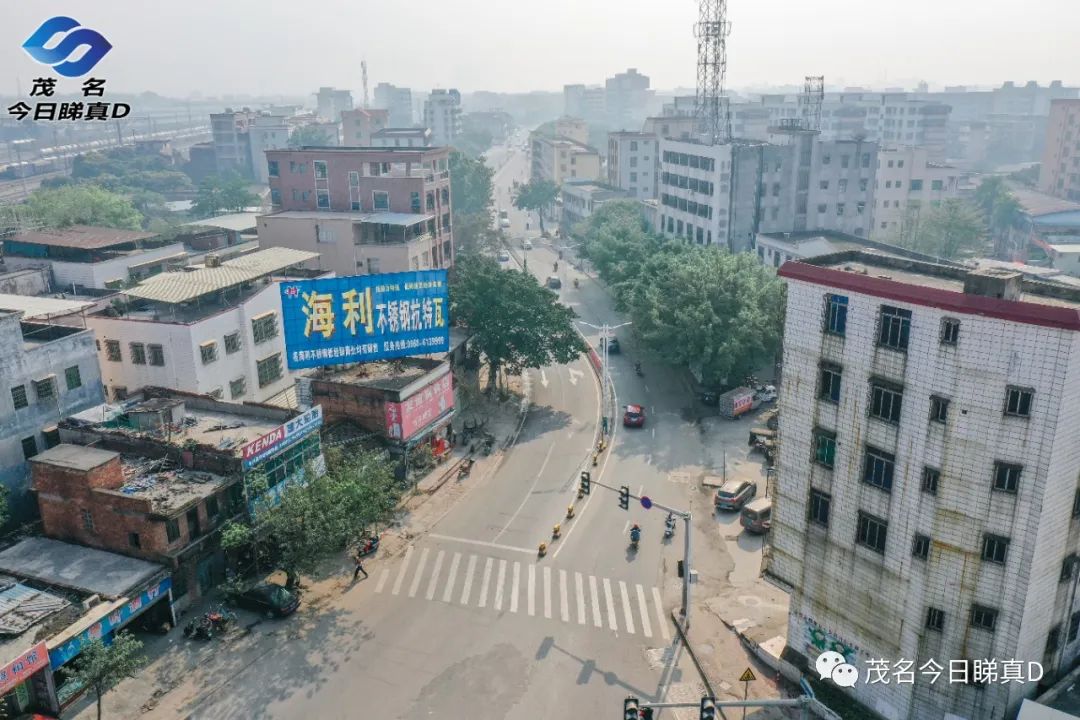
point(633, 162)
point(95, 275)
point(30, 281)
point(337, 249)
point(897, 206)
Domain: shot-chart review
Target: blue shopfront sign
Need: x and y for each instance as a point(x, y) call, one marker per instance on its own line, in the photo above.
point(111, 622)
point(281, 437)
point(330, 321)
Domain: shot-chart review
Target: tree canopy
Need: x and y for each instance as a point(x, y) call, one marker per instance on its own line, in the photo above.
point(83, 204)
point(99, 667)
point(309, 135)
point(513, 321)
point(223, 194)
point(470, 193)
point(535, 195)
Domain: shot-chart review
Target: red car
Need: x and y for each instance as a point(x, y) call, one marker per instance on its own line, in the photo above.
point(634, 416)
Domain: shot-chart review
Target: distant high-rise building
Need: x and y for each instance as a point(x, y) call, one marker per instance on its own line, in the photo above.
point(1060, 171)
point(232, 146)
point(442, 115)
point(627, 98)
point(358, 125)
point(265, 132)
point(907, 187)
point(398, 100)
point(332, 102)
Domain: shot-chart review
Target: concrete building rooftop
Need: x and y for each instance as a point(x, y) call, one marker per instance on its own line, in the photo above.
point(238, 222)
point(86, 570)
point(83, 237)
point(74, 457)
point(167, 485)
point(389, 375)
point(37, 307)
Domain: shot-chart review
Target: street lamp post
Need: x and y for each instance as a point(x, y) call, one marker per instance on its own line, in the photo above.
point(605, 380)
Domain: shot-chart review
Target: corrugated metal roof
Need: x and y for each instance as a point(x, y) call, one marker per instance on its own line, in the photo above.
point(40, 307)
point(179, 287)
point(83, 237)
point(233, 221)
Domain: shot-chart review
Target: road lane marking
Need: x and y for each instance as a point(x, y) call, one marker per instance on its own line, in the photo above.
point(580, 585)
point(483, 543)
point(659, 604)
point(547, 592)
point(484, 583)
point(499, 585)
point(564, 605)
point(610, 602)
point(532, 590)
point(536, 480)
point(627, 615)
point(401, 572)
point(654, 432)
point(419, 573)
point(594, 595)
point(643, 611)
point(626, 527)
point(430, 594)
point(382, 580)
point(448, 593)
point(514, 589)
point(468, 580)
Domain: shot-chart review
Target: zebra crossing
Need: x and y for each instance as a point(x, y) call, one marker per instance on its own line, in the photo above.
point(498, 584)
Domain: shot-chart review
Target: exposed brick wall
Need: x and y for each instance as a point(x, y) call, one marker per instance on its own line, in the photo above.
point(363, 406)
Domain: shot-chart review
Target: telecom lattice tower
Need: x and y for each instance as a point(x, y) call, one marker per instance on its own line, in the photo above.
point(363, 73)
point(812, 98)
point(711, 31)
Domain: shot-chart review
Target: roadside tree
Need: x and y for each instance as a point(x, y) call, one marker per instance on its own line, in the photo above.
point(535, 195)
point(99, 667)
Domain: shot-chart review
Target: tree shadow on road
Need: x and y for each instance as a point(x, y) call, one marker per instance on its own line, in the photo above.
point(543, 419)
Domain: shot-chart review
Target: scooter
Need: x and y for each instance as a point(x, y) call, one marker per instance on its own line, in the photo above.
point(635, 537)
point(638, 370)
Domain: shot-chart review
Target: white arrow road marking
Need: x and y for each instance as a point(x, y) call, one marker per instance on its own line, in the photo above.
point(543, 378)
point(574, 375)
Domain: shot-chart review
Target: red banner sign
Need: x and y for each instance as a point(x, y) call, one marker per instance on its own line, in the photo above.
point(21, 668)
point(414, 413)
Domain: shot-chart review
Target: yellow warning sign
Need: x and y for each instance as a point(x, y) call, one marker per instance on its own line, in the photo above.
point(747, 676)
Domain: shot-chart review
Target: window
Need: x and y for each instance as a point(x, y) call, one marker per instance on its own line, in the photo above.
point(899, 184)
point(937, 185)
point(822, 208)
point(824, 184)
point(1067, 566)
point(824, 447)
point(380, 200)
point(920, 547)
point(866, 160)
point(157, 355)
point(45, 389)
point(983, 617)
point(208, 352)
point(894, 327)
point(272, 168)
point(1018, 401)
point(119, 393)
point(320, 169)
point(844, 160)
point(213, 508)
point(839, 209)
point(269, 369)
point(939, 409)
point(935, 619)
point(29, 447)
point(72, 378)
point(51, 435)
point(826, 159)
point(863, 184)
point(414, 201)
point(878, 468)
point(87, 520)
point(930, 479)
point(232, 343)
point(891, 163)
point(950, 331)
point(112, 350)
point(1074, 626)
point(275, 197)
point(237, 388)
point(322, 199)
point(138, 353)
point(18, 398)
point(264, 327)
point(836, 314)
point(841, 185)
point(915, 186)
point(133, 540)
point(819, 507)
point(633, 177)
point(829, 387)
point(886, 401)
point(870, 531)
point(172, 530)
point(1007, 477)
point(995, 548)
point(354, 179)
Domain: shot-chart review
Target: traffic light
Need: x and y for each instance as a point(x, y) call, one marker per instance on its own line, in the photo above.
point(681, 568)
point(708, 708)
point(586, 482)
point(630, 709)
point(624, 498)
point(646, 713)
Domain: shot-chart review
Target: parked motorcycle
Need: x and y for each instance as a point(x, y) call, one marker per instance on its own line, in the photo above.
point(221, 619)
point(199, 629)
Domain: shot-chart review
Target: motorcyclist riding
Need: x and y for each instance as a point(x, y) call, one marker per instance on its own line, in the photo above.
point(637, 367)
point(635, 533)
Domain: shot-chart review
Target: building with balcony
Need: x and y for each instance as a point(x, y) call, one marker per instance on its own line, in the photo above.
point(1059, 174)
point(926, 497)
point(82, 257)
point(364, 210)
point(48, 370)
point(442, 115)
point(633, 163)
point(398, 100)
point(213, 329)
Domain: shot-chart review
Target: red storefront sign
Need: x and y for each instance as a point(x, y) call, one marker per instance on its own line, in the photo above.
point(21, 668)
point(414, 413)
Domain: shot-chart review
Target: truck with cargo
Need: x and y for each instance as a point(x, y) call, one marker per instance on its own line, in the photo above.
point(735, 402)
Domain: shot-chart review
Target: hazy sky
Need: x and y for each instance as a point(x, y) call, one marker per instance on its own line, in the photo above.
point(270, 47)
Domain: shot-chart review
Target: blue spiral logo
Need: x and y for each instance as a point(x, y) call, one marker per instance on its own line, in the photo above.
point(58, 56)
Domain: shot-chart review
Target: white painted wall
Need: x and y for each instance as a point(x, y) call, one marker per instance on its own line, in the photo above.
point(94, 275)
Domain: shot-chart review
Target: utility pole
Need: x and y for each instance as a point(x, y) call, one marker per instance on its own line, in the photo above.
point(605, 379)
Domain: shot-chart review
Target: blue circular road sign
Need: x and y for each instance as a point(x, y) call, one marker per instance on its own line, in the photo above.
point(646, 502)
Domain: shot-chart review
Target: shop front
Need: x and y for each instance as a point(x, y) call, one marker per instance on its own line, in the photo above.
point(26, 683)
point(421, 419)
point(281, 457)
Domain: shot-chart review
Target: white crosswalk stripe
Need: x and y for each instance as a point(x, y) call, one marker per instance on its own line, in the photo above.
point(497, 584)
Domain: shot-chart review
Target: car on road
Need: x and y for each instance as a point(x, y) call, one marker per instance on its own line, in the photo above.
point(504, 223)
point(554, 282)
point(633, 416)
point(612, 345)
point(526, 244)
point(734, 494)
point(503, 256)
point(756, 517)
point(267, 598)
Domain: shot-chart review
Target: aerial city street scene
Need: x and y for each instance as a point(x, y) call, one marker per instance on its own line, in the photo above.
point(504, 361)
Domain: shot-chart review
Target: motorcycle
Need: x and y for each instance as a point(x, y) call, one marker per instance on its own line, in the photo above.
point(637, 369)
point(199, 629)
point(635, 537)
point(220, 619)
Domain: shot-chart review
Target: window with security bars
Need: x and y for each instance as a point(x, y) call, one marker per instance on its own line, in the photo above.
point(269, 369)
point(45, 389)
point(72, 377)
point(138, 353)
point(112, 350)
point(237, 388)
point(157, 355)
point(995, 548)
point(1018, 401)
point(829, 386)
point(1007, 477)
point(824, 447)
point(232, 343)
point(818, 507)
point(894, 327)
point(983, 617)
point(19, 399)
point(870, 532)
point(208, 352)
point(878, 468)
point(886, 401)
point(264, 328)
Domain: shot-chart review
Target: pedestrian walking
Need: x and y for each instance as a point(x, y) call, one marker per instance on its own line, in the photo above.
point(359, 566)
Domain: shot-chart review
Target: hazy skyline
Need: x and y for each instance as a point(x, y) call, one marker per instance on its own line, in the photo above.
point(270, 48)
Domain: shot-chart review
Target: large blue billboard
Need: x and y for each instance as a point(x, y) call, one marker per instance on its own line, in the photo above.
point(365, 317)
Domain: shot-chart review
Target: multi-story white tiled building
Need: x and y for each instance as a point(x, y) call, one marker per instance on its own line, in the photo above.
point(632, 162)
point(927, 501)
point(906, 185)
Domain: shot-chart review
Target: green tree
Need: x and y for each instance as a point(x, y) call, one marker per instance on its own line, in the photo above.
point(99, 667)
point(513, 321)
point(535, 195)
point(952, 229)
point(309, 135)
point(708, 309)
point(83, 204)
point(222, 194)
point(473, 141)
point(470, 194)
point(616, 240)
